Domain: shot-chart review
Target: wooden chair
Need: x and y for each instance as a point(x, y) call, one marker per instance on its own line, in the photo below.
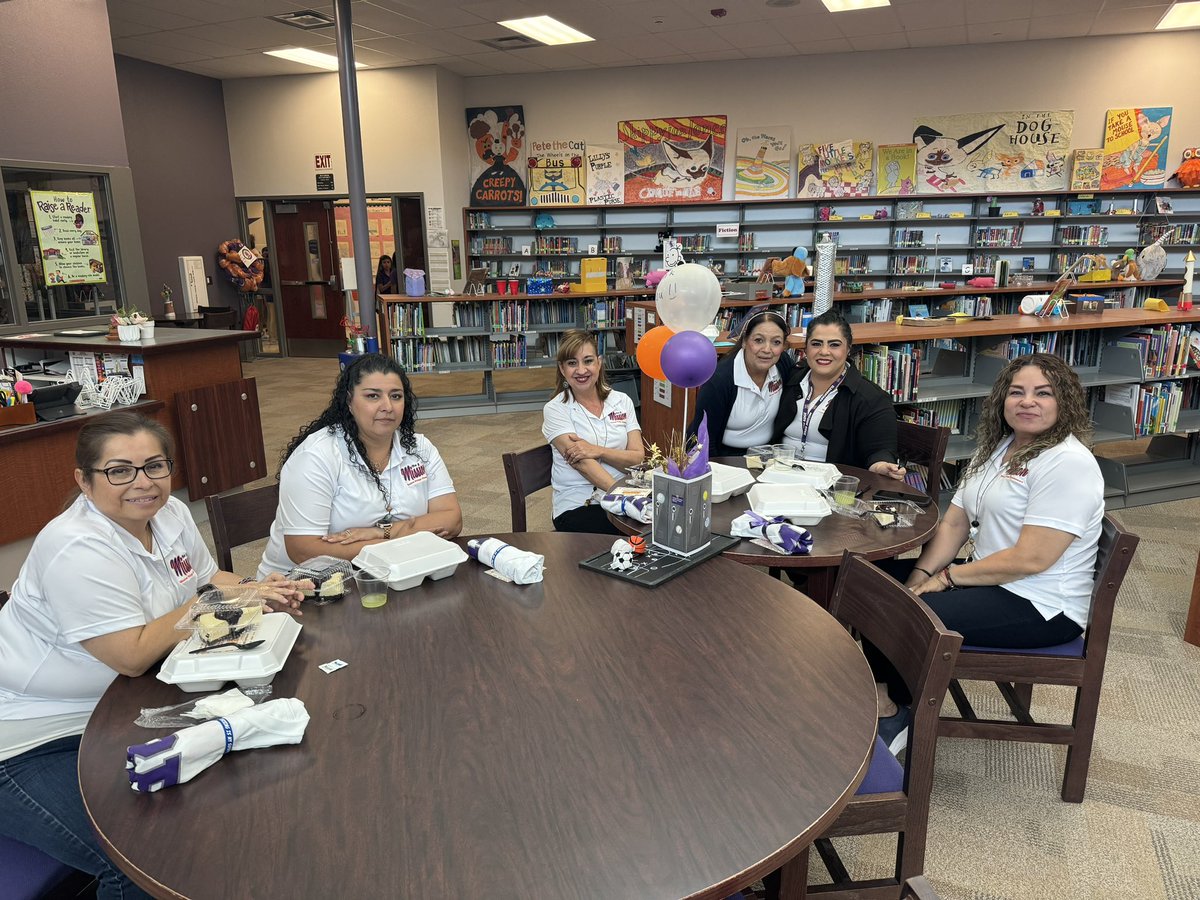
point(527, 472)
point(893, 797)
point(918, 889)
point(926, 446)
point(239, 518)
point(1079, 664)
point(222, 317)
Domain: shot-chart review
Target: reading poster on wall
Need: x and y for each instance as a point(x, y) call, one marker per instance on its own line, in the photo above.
point(68, 237)
point(763, 165)
point(1135, 148)
point(497, 134)
point(556, 173)
point(989, 153)
point(896, 169)
point(673, 160)
point(605, 176)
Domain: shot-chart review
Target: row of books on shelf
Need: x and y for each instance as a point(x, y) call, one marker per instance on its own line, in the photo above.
point(1176, 234)
point(555, 243)
point(1165, 351)
point(1007, 236)
point(1084, 235)
point(491, 245)
point(1155, 407)
point(406, 318)
point(950, 414)
point(604, 312)
point(606, 342)
point(894, 367)
point(418, 355)
point(1076, 348)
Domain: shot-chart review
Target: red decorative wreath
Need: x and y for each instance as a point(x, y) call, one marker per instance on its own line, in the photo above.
point(247, 277)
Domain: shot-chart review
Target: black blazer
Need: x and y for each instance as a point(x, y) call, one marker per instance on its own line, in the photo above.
point(717, 396)
point(860, 425)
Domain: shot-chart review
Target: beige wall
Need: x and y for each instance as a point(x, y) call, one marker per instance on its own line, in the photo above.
point(873, 96)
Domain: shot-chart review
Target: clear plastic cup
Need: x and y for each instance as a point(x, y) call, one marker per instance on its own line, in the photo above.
point(845, 490)
point(785, 454)
point(763, 453)
point(372, 591)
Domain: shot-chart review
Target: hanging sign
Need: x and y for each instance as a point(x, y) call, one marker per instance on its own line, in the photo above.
point(68, 237)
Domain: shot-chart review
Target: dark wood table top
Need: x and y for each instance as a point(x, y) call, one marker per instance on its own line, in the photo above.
point(164, 341)
point(578, 738)
point(831, 535)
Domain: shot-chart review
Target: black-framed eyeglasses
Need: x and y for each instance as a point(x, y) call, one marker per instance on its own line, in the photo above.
point(119, 475)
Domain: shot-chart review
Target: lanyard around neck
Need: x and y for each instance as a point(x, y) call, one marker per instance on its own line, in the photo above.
point(810, 406)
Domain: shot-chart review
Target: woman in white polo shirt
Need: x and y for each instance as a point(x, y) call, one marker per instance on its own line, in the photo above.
point(100, 594)
point(359, 474)
point(1029, 508)
point(741, 399)
point(593, 432)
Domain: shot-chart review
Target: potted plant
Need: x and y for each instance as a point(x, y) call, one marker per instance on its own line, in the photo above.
point(129, 322)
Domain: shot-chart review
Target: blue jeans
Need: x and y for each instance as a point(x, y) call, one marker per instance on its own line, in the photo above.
point(40, 805)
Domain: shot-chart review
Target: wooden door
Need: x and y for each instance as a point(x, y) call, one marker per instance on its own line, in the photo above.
point(313, 305)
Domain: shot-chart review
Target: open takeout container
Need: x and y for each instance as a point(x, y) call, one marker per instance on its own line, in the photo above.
point(815, 474)
point(208, 671)
point(801, 504)
point(407, 561)
point(729, 481)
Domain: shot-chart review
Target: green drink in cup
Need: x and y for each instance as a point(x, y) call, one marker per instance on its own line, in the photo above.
point(845, 490)
point(372, 591)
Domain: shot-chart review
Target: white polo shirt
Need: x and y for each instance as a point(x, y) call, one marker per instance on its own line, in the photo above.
point(85, 576)
point(1062, 489)
point(610, 429)
point(322, 491)
point(752, 417)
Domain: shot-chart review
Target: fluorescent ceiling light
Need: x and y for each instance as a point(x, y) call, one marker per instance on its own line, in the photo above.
point(846, 5)
point(1180, 15)
point(546, 30)
point(310, 58)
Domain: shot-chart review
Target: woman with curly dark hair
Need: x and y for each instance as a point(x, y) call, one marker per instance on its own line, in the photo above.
point(359, 473)
point(1029, 509)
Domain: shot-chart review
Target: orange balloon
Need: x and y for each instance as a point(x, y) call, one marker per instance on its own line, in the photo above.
point(649, 351)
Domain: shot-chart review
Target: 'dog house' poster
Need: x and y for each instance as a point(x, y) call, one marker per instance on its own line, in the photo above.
point(68, 237)
point(673, 160)
point(497, 135)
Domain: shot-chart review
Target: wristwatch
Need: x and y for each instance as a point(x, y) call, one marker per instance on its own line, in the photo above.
point(386, 525)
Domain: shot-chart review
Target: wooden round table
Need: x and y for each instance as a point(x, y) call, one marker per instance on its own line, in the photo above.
point(581, 738)
point(831, 535)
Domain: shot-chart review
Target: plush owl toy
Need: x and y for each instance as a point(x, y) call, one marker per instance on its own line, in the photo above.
point(1188, 174)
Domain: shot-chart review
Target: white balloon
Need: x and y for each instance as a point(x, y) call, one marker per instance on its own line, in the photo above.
point(688, 298)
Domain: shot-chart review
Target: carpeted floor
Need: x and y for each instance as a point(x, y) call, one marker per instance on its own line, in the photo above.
point(998, 830)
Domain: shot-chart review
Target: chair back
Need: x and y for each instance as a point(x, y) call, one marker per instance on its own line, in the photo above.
point(926, 446)
point(919, 888)
point(222, 317)
point(239, 518)
point(526, 473)
point(1114, 553)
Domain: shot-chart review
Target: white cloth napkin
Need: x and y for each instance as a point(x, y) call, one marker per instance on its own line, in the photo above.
point(179, 757)
point(219, 705)
point(637, 508)
point(521, 566)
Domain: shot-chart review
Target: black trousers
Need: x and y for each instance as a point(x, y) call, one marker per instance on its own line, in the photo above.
point(591, 519)
point(988, 616)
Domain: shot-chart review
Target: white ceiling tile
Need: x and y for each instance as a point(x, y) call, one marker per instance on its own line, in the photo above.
point(1067, 7)
point(798, 31)
point(550, 57)
point(496, 10)
point(931, 14)
point(996, 32)
point(696, 40)
point(606, 53)
point(938, 37)
point(430, 13)
point(896, 41)
point(154, 51)
point(880, 20)
point(466, 65)
point(403, 49)
point(448, 43)
point(997, 10)
point(255, 34)
point(384, 20)
point(750, 34)
point(1059, 26)
point(829, 45)
point(774, 51)
point(668, 60)
point(148, 17)
point(717, 55)
point(483, 32)
point(1128, 21)
point(507, 64)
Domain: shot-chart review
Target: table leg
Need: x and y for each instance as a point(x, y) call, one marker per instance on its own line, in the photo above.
point(794, 883)
point(820, 585)
point(1191, 631)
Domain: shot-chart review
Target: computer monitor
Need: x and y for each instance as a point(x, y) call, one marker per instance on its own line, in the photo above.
point(56, 401)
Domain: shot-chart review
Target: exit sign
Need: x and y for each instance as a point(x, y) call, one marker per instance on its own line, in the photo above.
point(324, 160)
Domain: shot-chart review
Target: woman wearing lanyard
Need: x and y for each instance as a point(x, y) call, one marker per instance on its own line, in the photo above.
point(358, 474)
point(829, 412)
point(742, 397)
point(593, 432)
point(99, 595)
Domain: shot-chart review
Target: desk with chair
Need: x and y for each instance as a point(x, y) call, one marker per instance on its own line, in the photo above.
point(579, 737)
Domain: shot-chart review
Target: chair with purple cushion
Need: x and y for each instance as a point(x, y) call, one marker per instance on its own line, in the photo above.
point(892, 797)
point(29, 874)
point(1078, 664)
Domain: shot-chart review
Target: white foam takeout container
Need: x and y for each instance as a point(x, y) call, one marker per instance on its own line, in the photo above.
point(407, 561)
point(208, 671)
point(799, 503)
point(729, 481)
point(816, 474)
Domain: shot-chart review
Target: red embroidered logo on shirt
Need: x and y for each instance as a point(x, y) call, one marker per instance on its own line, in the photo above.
point(182, 567)
point(617, 416)
point(774, 385)
point(413, 474)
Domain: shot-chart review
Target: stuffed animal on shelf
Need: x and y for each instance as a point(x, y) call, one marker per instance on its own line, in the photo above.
point(1188, 174)
point(1126, 267)
point(794, 270)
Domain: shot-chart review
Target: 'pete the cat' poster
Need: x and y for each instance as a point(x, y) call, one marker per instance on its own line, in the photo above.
point(673, 160)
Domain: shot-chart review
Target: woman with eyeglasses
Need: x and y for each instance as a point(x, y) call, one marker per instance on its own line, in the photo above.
point(99, 595)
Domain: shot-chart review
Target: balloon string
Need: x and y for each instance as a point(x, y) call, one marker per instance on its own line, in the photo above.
point(685, 416)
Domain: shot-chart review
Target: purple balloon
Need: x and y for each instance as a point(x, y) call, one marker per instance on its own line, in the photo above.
point(689, 359)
